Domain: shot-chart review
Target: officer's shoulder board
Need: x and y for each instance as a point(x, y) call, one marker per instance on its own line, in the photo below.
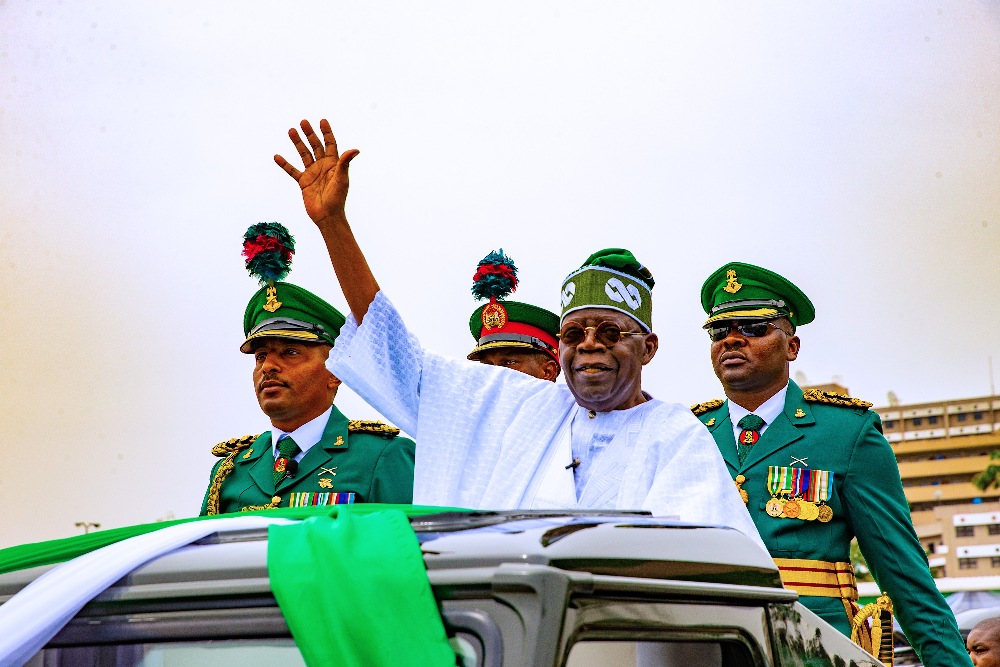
point(366, 426)
point(702, 408)
point(234, 445)
point(833, 398)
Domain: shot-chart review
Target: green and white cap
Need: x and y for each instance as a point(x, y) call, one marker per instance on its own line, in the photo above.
point(612, 278)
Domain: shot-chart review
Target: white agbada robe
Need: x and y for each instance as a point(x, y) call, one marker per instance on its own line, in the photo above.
point(493, 438)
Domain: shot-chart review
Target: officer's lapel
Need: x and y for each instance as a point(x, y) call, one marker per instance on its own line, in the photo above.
point(261, 464)
point(334, 438)
point(780, 433)
point(796, 409)
point(722, 430)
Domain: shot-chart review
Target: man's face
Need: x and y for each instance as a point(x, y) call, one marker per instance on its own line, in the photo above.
point(536, 364)
point(747, 363)
point(983, 647)
point(291, 380)
point(605, 378)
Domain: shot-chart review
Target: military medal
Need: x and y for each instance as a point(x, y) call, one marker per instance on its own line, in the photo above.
point(809, 511)
point(791, 509)
point(774, 506)
point(795, 507)
point(810, 495)
point(820, 493)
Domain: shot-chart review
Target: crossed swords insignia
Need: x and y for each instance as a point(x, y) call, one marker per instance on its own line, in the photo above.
point(327, 471)
point(796, 459)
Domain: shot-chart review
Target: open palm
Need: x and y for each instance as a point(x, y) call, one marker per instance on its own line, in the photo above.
point(325, 182)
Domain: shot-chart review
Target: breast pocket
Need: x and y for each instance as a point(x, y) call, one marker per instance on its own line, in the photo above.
point(780, 534)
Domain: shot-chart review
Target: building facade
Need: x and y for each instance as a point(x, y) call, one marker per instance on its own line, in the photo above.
point(940, 447)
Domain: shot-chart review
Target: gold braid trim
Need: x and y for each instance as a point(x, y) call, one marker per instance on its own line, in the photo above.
point(702, 408)
point(877, 639)
point(275, 501)
point(234, 445)
point(229, 449)
point(833, 398)
point(364, 426)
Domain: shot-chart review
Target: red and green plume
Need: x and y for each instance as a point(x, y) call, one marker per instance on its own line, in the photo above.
point(495, 278)
point(268, 248)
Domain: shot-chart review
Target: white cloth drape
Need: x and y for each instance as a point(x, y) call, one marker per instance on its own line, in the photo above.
point(40, 610)
point(493, 438)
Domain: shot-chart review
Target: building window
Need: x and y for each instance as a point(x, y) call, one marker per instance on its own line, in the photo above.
point(930, 548)
point(917, 421)
point(965, 531)
point(978, 416)
point(994, 528)
point(962, 417)
point(932, 420)
point(995, 561)
point(968, 563)
point(891, 424)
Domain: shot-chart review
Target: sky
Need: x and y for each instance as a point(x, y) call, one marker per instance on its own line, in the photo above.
point(852, 147)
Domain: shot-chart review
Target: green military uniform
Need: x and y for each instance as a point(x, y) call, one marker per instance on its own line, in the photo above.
point(354, 461)
point(853, 488)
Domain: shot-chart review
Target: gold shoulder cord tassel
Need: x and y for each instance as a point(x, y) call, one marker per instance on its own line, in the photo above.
point(229, 449)
point(275, 501)
point(877, 640)
point(226, 467)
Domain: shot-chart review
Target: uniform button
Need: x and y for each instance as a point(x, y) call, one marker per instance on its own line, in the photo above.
point(591, 414)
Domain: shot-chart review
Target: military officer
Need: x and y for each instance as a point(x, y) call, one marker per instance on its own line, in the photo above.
point(815, 471)
point(510, 333)
point(313, 455)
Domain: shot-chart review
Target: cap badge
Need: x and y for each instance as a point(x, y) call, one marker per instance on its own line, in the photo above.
point(272, 299)
point(494, 316)
point(731, 285)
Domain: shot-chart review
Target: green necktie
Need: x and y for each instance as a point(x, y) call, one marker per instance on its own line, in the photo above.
point(287, 449)
point(751, 425)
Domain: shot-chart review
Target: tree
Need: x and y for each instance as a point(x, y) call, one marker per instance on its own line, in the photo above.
point(989, 478)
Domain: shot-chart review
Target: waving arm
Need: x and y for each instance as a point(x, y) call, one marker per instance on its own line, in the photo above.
point(324, 184)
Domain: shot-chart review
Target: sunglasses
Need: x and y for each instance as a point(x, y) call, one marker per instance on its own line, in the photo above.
point(748, 329)
point(608, 334)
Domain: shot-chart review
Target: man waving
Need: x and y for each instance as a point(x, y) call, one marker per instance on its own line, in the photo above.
point(489, 437)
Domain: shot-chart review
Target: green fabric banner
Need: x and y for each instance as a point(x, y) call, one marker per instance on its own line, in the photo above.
point(355, 593)
point(58, 551)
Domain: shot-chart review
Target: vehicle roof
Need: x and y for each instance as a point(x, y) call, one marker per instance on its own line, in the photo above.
point(969, 618)
point(459, 545)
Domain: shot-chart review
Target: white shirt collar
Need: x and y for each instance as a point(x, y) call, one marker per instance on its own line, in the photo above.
point(768, 411)
point(304, 436)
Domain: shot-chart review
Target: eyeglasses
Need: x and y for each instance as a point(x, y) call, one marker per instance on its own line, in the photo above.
point(608, 334)
point(748, 329)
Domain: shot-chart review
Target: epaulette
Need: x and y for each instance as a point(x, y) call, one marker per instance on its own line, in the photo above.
point(702, 408)
point(833, 398)
point(234, 445)
point(366, 426)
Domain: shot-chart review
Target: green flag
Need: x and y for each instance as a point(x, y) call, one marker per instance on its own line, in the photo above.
point(355, 593)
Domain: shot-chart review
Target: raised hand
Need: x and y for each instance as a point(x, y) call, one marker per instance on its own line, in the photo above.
point(324, 182)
